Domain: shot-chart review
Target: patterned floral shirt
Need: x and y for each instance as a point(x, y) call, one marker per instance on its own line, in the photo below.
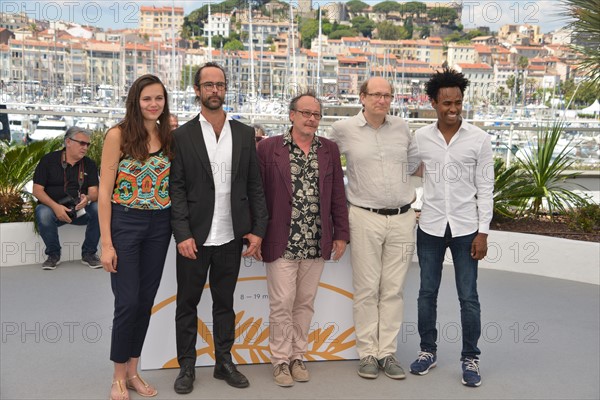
point(305, 229)
point(143, 185)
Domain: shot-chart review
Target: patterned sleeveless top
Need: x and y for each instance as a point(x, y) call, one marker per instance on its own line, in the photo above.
point(143, 185)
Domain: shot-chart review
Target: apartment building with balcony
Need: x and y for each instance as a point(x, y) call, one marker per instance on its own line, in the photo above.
point(460, 53)
point(481, 78)
point(37, 60)
point(262, 30)
point(165, 21)
point(218, 24)
point(352, 72)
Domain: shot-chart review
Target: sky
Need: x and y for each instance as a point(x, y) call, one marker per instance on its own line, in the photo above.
point(124, 14)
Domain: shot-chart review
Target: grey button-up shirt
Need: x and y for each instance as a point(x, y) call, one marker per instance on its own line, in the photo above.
point(376, 161)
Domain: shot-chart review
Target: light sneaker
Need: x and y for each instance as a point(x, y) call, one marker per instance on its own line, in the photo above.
point(282, 375)
point(471, 376)
point(424, 362)
point(51, 262)
point(369, 367)
point(391, 367)
point(91, 260)
point(299, 371)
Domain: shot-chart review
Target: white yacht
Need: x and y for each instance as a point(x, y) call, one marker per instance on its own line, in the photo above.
point(19, 125)
point(49, 129)
point(91, 123)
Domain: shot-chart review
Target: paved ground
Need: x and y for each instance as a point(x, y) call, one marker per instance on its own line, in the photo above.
point(540, 340)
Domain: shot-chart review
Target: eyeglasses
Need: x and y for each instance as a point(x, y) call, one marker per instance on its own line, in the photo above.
point(378, 96)
point(211, 85)
point(81, 142)
point(308, 114)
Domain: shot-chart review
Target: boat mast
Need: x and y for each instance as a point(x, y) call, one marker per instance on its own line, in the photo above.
point(293, 47)
point(209, 35)
point(175, 62)
point(251, 45)
point(319, 56)
point(260, 65)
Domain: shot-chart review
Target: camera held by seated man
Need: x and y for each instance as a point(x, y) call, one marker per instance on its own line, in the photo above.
point(66, 186)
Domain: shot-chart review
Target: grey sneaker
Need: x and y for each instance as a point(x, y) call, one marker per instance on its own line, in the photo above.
point(51, 262)
point(91, 260)
point(282, 375)
point(369, 368)
point(299, 371)
point(391, 367)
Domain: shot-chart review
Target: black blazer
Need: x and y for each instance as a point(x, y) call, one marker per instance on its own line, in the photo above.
point(192, 188)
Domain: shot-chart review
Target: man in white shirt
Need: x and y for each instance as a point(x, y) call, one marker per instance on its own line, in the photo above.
point(458, 181)
point(217, 202)
point(382, 224)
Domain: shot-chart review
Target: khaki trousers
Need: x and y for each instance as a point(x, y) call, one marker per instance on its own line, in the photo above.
point(292, 288)
point(382, 249)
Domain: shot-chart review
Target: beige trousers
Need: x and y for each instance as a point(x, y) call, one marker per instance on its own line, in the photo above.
point(382, 249)
point(292, 288)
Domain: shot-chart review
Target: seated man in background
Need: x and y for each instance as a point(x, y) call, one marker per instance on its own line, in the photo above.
point(65, 183)
point(259, 133)
point(173, 121)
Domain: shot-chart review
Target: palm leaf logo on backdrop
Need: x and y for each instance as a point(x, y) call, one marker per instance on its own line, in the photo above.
point(252, 339)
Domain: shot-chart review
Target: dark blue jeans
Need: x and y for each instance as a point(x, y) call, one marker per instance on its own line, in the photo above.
point(431, 251)
point(48, 227)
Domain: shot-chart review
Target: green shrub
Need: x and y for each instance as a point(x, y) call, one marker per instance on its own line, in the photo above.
point(586, 218)
point(95, 149)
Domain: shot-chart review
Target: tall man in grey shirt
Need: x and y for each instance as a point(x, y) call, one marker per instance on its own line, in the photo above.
point(381, 224)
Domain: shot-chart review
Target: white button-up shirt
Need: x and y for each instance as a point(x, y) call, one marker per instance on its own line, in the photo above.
point(220, 156)
point(458, 179)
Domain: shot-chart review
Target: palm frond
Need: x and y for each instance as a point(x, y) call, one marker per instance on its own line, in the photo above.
point(584, 20)
point(19, 162)
point(545, 181)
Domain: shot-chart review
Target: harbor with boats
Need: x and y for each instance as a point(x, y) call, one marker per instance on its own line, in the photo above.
point(512, 133)
point(60, 73)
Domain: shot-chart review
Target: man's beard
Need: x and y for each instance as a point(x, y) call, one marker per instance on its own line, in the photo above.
point(206, 102)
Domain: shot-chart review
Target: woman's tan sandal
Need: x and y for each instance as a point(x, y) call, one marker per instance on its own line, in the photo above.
point(122, 391)
point(146, 386)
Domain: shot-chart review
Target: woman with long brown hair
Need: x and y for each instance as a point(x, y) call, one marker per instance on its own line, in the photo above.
point(134, 215)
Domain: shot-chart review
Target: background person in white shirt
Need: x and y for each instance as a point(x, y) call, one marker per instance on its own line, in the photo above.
point(458, 172)
point(382, 224)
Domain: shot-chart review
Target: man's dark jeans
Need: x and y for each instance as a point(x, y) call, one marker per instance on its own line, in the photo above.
point(48, 227)
point(431, 251)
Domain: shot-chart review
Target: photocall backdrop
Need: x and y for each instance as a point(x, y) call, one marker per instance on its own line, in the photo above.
point(331, 335)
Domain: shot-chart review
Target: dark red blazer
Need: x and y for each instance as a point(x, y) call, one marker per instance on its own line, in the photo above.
point(274, 161)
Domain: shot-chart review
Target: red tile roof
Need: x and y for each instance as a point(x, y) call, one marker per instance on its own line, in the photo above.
point(178, 10)
point(353, 60)
point(474, 66)
point(482, 49)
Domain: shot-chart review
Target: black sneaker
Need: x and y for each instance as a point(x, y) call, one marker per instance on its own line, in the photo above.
point(51, 262)
point(91, 260)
